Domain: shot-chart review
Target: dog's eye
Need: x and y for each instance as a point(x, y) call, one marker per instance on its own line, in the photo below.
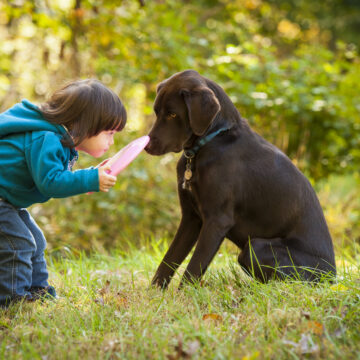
point(171, 116)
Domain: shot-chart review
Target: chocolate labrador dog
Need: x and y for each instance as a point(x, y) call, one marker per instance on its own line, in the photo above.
point(232, 183)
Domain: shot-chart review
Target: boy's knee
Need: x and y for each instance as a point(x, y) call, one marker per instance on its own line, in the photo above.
point(37, 235)
point(40, 245)
point(10, 243)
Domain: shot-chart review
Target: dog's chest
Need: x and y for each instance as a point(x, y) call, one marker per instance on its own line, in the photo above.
point(190, 173)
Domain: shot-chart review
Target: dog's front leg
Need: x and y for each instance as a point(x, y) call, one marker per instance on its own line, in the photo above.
point(183, 242)
point(211, 236)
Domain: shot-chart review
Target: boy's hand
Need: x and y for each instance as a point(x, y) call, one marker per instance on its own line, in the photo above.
point(106, 181)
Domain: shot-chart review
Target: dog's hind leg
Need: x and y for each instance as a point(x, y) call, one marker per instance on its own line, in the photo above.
point(266, 259)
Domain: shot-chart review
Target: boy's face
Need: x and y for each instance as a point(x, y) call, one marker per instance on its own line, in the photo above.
point(97, 146)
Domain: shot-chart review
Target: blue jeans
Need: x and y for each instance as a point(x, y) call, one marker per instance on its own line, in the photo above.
point(22, 262)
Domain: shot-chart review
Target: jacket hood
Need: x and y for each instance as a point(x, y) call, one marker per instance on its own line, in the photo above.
point(23, 117)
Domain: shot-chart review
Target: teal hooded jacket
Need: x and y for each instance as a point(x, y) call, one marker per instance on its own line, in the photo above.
point(34, 165)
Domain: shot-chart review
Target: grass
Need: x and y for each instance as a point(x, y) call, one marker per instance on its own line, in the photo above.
point(107, 310)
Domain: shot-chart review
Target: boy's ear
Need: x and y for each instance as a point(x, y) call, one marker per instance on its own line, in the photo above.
point(202, 106)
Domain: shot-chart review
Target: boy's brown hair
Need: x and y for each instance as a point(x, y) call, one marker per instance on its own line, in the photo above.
point(85, 108)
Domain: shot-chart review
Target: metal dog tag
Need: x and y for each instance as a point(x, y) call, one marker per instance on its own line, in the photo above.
point(188, 174)
point(186, 185)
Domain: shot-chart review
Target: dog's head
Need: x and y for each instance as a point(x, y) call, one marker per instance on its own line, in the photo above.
point(184, 106)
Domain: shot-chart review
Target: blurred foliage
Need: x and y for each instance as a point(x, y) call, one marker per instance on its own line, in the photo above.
point(290, 66)
point(339, 196)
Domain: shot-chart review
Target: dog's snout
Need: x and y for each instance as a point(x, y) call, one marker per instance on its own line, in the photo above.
point(151, 146)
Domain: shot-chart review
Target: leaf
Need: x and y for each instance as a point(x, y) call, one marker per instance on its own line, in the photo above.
point(212, 317)
point(339, 287)
point(316, 327)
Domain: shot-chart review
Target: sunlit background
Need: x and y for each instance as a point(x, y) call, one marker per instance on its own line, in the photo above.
point(291, 67)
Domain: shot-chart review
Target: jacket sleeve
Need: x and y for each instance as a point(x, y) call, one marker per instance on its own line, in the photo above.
point(47, 160)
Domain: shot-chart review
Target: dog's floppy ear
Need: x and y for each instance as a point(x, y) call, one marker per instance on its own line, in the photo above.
point(202, 106)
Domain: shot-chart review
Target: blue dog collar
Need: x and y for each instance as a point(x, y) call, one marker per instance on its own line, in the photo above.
point(190, 153)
